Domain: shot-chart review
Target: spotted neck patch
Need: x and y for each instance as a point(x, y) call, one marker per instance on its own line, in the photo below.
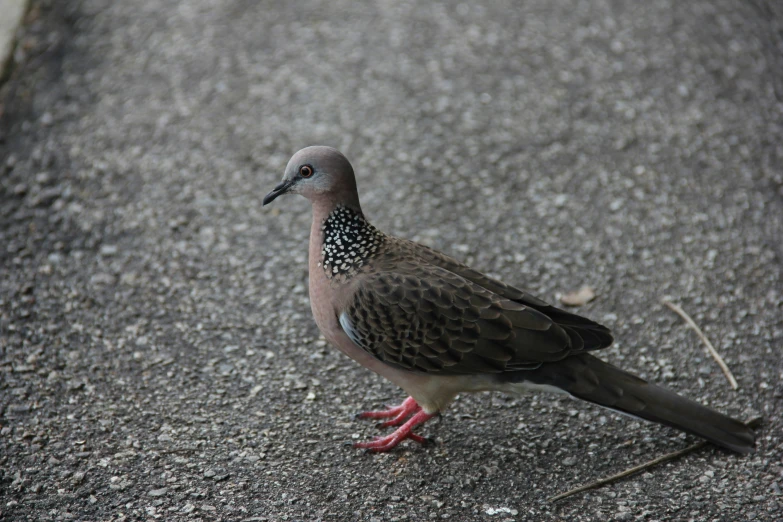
point(348, 242)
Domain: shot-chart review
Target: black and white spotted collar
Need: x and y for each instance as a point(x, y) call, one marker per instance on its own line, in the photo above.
point(348, 242)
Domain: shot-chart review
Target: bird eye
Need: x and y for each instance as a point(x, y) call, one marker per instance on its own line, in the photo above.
point(305, 171)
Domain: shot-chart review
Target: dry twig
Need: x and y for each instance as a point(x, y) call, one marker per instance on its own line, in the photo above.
point(753, 423)
point(579, 298)
point(711, 349)
point(630, 471)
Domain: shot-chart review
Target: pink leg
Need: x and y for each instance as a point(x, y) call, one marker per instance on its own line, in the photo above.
point(399, 413)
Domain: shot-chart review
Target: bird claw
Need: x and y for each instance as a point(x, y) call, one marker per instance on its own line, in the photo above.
point(383, 444)
point(397, 421)
point(396, 414)
point(424, 441)
point(389, 442)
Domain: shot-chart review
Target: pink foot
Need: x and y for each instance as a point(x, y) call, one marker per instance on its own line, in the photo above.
point(398, 414)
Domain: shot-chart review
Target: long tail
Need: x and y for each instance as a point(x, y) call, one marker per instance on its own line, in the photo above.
point(591, 379)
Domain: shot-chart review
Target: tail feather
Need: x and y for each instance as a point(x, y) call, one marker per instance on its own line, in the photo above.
point(588, 378)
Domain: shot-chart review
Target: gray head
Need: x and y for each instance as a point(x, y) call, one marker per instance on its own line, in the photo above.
point(319, 174)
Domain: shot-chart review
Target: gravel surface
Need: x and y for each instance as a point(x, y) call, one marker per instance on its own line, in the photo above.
point(158, 359)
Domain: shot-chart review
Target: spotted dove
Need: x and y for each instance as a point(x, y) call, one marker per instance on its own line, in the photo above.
point(436, 327)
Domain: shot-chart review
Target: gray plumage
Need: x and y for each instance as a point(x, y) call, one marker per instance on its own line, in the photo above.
point(437, 327)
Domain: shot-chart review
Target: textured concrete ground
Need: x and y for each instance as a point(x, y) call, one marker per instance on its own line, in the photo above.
point(157, 355)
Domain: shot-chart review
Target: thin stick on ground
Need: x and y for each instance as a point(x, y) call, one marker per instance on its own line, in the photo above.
point(711, 349)
point(754, 423)
point(630, 471)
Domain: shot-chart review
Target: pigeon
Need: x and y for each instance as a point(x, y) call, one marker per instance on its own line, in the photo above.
point(436, 327)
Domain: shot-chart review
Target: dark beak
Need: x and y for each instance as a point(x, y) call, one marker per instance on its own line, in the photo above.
point(279, 190)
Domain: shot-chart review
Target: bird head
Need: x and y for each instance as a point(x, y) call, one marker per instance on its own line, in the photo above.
point(318, 173)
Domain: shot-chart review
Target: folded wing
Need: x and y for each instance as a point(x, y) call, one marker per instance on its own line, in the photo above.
point(426, 318)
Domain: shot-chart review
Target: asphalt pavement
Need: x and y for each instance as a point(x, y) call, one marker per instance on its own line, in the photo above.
point(158, 358)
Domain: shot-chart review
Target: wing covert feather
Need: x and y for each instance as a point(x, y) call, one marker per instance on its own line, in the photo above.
point(425, 318)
